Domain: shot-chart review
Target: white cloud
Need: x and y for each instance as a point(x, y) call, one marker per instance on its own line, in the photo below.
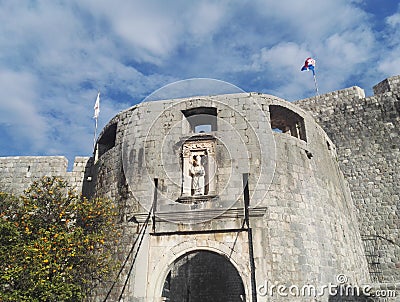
point(152, 29)
point(18, 111)
point(393, 20)
point(281, 56)
point(204, 18)
point(311, 20)
point(389, 60)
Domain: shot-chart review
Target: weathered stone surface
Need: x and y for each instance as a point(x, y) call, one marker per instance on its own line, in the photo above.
point(18, 172)
point(366, 133)
point(303, 220)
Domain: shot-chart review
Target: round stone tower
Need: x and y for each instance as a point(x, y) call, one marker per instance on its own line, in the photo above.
point(234, 197)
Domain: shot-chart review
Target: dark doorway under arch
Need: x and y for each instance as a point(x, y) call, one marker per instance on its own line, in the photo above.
point(203, 276)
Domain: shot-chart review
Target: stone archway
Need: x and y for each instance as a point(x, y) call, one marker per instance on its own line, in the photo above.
point(203, 276)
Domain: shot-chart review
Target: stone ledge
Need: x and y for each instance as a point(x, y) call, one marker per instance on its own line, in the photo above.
point(197, 199)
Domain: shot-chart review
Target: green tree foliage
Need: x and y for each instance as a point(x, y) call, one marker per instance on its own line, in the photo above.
point(54, 244)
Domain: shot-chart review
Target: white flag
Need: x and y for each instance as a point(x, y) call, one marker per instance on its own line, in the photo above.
point(97, 106)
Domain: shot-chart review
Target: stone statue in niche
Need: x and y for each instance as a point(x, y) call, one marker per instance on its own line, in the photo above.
point(197, 173)
point(198, 167)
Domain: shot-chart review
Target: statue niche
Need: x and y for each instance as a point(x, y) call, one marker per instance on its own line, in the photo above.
point(198, 167)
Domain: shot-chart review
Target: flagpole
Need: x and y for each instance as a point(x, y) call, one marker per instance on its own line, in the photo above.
point(96, 116)
point(95, 134)
point(315, 83)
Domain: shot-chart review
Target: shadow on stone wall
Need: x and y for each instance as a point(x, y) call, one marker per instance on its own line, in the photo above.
point(89, 180)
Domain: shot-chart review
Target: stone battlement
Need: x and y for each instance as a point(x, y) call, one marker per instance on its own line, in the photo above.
point(391, 84)
point(18, 172)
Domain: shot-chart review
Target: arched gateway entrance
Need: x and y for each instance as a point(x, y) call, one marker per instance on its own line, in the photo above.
point(203, 276)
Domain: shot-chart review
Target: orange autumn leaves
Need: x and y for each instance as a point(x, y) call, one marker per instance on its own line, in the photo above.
point(54, 244)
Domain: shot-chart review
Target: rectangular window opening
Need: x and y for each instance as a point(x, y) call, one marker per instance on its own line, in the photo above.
point(201, 119)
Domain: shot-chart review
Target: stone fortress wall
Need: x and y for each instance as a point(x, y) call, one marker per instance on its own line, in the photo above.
point(311, 226)
point(301, 215)
point(18, 172)
point(366, 131)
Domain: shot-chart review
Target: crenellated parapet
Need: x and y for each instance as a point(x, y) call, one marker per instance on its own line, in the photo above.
point(18, 172)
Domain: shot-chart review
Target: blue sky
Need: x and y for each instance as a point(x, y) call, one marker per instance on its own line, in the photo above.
point(55, 55)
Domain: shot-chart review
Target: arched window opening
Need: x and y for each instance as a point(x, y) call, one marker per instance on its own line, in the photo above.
point(107, 140)
point(284, 120)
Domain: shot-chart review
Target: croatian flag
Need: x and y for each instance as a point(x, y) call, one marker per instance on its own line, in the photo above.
point(309, 64)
